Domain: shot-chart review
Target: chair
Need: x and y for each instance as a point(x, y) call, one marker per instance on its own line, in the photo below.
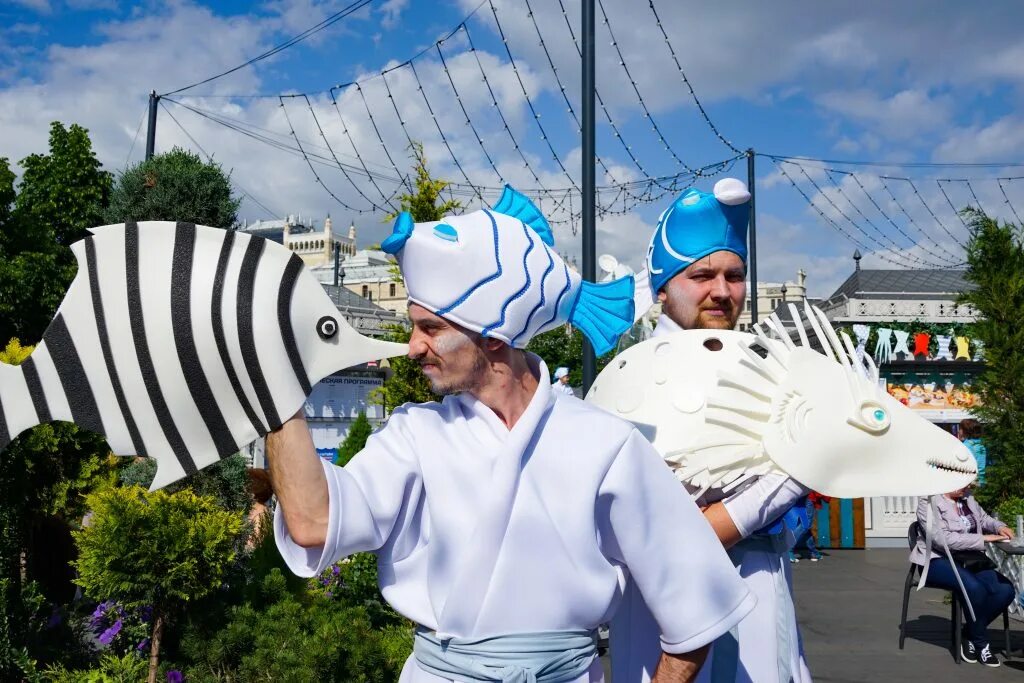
point(956, 615)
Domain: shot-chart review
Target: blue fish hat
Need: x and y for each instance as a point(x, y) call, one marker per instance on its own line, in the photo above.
point(494, 271)
point(698, 224)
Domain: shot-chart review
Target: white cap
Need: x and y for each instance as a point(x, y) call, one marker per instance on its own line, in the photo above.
point(561, 372)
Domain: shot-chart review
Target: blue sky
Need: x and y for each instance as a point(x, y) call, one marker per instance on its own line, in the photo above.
point(893, 83)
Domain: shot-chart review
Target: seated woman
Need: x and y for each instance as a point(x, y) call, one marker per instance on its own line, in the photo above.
point(965, 527)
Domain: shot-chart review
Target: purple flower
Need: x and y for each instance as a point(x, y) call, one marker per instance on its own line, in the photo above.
point(146, 613)
point(330, 594)
point(335, 570)
point(143, 645)
point(109, 634)
point(175, 676)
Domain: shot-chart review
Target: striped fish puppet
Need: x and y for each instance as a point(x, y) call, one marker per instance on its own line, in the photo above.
point(723, 407)
point(182, 343)
point(494, 271)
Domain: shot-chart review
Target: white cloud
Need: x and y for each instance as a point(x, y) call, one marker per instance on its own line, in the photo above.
point(41, 6)
point(999, 140)
point(905, 114)
point(392, 12)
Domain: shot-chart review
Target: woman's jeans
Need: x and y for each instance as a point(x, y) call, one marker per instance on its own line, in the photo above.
point(989, 591)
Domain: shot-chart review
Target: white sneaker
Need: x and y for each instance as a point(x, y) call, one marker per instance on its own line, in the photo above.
point(987, 658)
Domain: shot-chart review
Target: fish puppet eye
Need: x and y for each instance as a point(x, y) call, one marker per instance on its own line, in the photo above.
point(327, 327)
point(871, 417)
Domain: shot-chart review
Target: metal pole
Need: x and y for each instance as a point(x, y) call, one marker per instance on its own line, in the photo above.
point(151, 131)
point(752, 237)
point(588, 176)
point(337, 262)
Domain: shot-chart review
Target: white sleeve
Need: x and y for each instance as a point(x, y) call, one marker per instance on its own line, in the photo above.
point(368, 497)
point(649, 523)
point(763, 502)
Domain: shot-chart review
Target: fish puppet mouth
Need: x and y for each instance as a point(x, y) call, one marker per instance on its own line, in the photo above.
point(952, 467)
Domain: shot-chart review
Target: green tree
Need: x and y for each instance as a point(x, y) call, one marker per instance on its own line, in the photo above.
point(51, 467)
point(175, 186)
point(995, 265)
point(426, 203)
point(158, 549)
point(563, 346)
point(60, 196)
point(355, 439)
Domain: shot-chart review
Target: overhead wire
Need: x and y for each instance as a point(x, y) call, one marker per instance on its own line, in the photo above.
point(294, 40)
point(209, 157)
point(135, 139)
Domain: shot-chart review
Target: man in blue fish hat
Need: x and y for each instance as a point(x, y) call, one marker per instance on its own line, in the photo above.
point(505, 519)
point(697, 267)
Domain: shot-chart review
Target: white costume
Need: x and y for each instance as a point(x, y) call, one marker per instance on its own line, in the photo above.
point(766, 652)
point(499, 541)
point(484, 531)
point(765, 646)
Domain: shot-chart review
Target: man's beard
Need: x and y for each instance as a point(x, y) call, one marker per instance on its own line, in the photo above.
point(444, 386)
point(706, 321)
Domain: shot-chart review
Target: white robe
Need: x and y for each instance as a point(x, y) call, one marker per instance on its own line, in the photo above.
point(764, 649)
point(482, 531)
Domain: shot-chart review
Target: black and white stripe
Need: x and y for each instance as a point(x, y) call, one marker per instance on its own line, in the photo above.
point(174, 341)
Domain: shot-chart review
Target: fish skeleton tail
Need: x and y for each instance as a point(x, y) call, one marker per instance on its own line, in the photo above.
point(17, 412)
point(604, 311)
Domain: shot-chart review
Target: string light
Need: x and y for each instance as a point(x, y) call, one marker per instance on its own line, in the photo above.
point(881, 234)
point(526, 96)
point(893, 223)
point(310, 164)
point(334, 156)
point(835, 225)
point(910, 219)
point(636, 89)
point(929, 209)
point(440, 131)
point(827, 198)
point(686, 81)
point(1007, 198)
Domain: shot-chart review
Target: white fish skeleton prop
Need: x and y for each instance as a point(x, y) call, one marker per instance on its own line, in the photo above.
point(182, 343)
point(723, 407)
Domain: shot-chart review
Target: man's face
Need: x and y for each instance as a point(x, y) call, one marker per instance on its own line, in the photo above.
point(708, 294)
point(564, 379)
point(449, 355)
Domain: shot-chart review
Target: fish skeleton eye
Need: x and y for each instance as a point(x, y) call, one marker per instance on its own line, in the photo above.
point(873, 417)
point(327, 327)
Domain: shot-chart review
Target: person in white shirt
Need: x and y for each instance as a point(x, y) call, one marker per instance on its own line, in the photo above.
point(697, 267)
point(561, 383)
point(505, 520)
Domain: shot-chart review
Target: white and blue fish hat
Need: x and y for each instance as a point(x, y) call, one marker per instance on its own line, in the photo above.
point(493, 271)
point(697, 224)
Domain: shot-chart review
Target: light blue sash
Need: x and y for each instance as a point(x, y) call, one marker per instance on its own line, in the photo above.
point(546, 657)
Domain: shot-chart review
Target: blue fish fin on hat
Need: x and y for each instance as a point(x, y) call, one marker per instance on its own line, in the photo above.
point(518, 205)
point(400, 234)
point(604, 311)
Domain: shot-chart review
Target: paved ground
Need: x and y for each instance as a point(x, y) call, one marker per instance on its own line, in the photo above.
point(848, 607)
point(849, 604)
